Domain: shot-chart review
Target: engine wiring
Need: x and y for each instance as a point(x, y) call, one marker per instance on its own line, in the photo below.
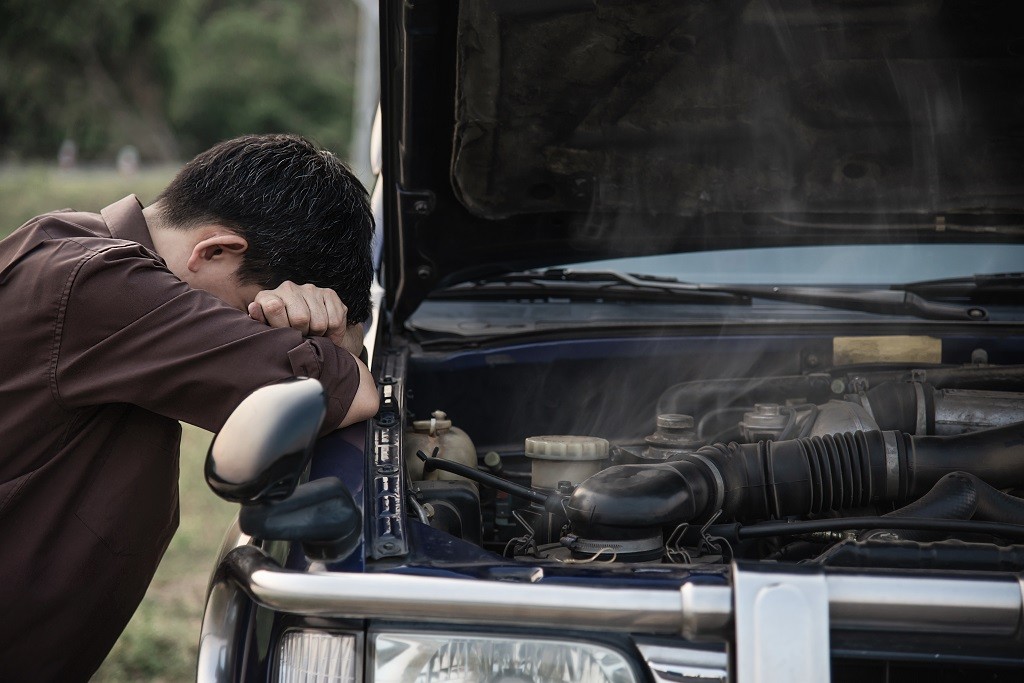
point(771, 529)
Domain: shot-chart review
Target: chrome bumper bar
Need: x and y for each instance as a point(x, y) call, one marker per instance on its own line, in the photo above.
point(761, 608)
point(855, 601)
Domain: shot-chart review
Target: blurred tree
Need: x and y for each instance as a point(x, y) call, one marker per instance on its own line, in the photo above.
point(172, 78)
point(264, 67)
point(88, 70)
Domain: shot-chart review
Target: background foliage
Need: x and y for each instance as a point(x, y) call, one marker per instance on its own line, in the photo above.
point(171, 78)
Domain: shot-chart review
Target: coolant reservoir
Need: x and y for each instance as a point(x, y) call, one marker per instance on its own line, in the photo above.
point(452, 443)
point(565, 458)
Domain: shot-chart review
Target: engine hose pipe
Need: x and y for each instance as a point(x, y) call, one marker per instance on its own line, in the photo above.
point(920, 408)
point(962, 495)
point(432, 462)
point(959, 495)
point(698, 396)
point(796, 477)
point(987, 377)
point(903, 554)
point(952, 497)
point(734, 532)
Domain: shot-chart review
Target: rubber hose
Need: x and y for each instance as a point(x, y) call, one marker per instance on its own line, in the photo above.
point(485, 478)
point(987, 377)
point(952, 497)
point(796, 477)
point(960, 495)
point(698, 396)
point(993, 504)
point(994, 455)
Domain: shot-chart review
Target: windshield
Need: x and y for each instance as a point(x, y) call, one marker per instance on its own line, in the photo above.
point(871, 264)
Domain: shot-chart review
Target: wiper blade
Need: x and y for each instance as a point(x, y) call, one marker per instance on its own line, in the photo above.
point(985, 286)
point(609, 284)
point(589, 285)
point(884, 301)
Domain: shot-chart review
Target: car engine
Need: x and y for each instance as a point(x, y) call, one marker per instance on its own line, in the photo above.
point(911, 467)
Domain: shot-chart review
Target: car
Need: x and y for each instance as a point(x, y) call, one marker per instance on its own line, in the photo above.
point(700, 356)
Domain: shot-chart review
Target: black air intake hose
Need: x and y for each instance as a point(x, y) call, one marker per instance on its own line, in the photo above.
point(795, 477)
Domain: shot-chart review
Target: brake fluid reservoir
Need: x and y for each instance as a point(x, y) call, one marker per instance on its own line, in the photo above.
point(565, 458)
point(452, 443)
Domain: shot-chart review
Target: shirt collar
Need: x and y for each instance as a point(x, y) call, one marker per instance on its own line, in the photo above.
point(125, 221)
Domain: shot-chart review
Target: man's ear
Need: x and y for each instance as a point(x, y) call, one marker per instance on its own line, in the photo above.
point(227, 247)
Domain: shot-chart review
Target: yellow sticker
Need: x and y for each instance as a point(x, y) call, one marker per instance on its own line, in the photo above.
point(894, 349)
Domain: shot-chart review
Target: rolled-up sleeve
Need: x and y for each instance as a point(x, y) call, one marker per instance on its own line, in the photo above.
point(129, 331)
point(323, 360)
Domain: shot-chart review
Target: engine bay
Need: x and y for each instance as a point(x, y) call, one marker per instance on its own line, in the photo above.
point(907, 465)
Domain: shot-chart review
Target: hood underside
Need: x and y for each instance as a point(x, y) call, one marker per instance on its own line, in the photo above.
point(704, 106)
point(528, 133)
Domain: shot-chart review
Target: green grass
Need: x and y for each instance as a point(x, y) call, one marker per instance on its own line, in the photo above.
point(161, 640)
point(27, 191)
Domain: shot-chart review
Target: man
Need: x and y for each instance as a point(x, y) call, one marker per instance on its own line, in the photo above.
point(117, 325)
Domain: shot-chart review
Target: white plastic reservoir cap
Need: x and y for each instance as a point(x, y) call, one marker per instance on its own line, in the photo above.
point(566, 447)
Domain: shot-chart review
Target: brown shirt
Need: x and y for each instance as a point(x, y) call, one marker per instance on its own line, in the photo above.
point(102, 351)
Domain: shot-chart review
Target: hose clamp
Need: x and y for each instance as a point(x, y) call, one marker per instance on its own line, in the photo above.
point(637, 545)
point(892, 464)
point(719, 481)
point(922, 410)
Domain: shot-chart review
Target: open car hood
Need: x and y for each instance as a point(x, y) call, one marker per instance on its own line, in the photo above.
point(519, 133)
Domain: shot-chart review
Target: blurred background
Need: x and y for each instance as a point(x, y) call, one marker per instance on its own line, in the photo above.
point(102, 98)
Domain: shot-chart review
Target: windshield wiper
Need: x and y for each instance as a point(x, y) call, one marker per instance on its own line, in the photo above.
point(985, 287)
point(588, 285)
point(610, 285)
point(884, 301)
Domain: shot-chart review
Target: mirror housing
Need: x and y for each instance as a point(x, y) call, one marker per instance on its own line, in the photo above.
point(321, 514)
point(262, 450)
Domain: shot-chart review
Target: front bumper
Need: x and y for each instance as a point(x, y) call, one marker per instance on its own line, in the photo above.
point(777, 621)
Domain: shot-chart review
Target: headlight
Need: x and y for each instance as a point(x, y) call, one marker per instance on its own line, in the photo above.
point(458, 658)
point(316, 656)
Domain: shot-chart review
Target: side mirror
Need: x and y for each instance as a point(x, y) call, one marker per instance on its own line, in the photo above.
point(258, 458)
point(266, 443)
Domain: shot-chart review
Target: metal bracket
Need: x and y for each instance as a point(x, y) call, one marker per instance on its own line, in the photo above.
point(419, 202)
point(386, 505)
point(782, 623)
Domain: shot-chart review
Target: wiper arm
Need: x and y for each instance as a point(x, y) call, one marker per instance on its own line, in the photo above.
point(610, 283)
point(884, 301)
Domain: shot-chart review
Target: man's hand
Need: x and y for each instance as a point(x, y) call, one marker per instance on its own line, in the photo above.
point(313, 311)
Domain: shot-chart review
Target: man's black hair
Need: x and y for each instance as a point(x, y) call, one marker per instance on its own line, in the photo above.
point(304, 214)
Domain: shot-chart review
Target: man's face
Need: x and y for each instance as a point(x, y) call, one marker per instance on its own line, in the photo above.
point(209, 259)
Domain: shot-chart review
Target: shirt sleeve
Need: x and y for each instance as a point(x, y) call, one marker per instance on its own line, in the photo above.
point(129, 331)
